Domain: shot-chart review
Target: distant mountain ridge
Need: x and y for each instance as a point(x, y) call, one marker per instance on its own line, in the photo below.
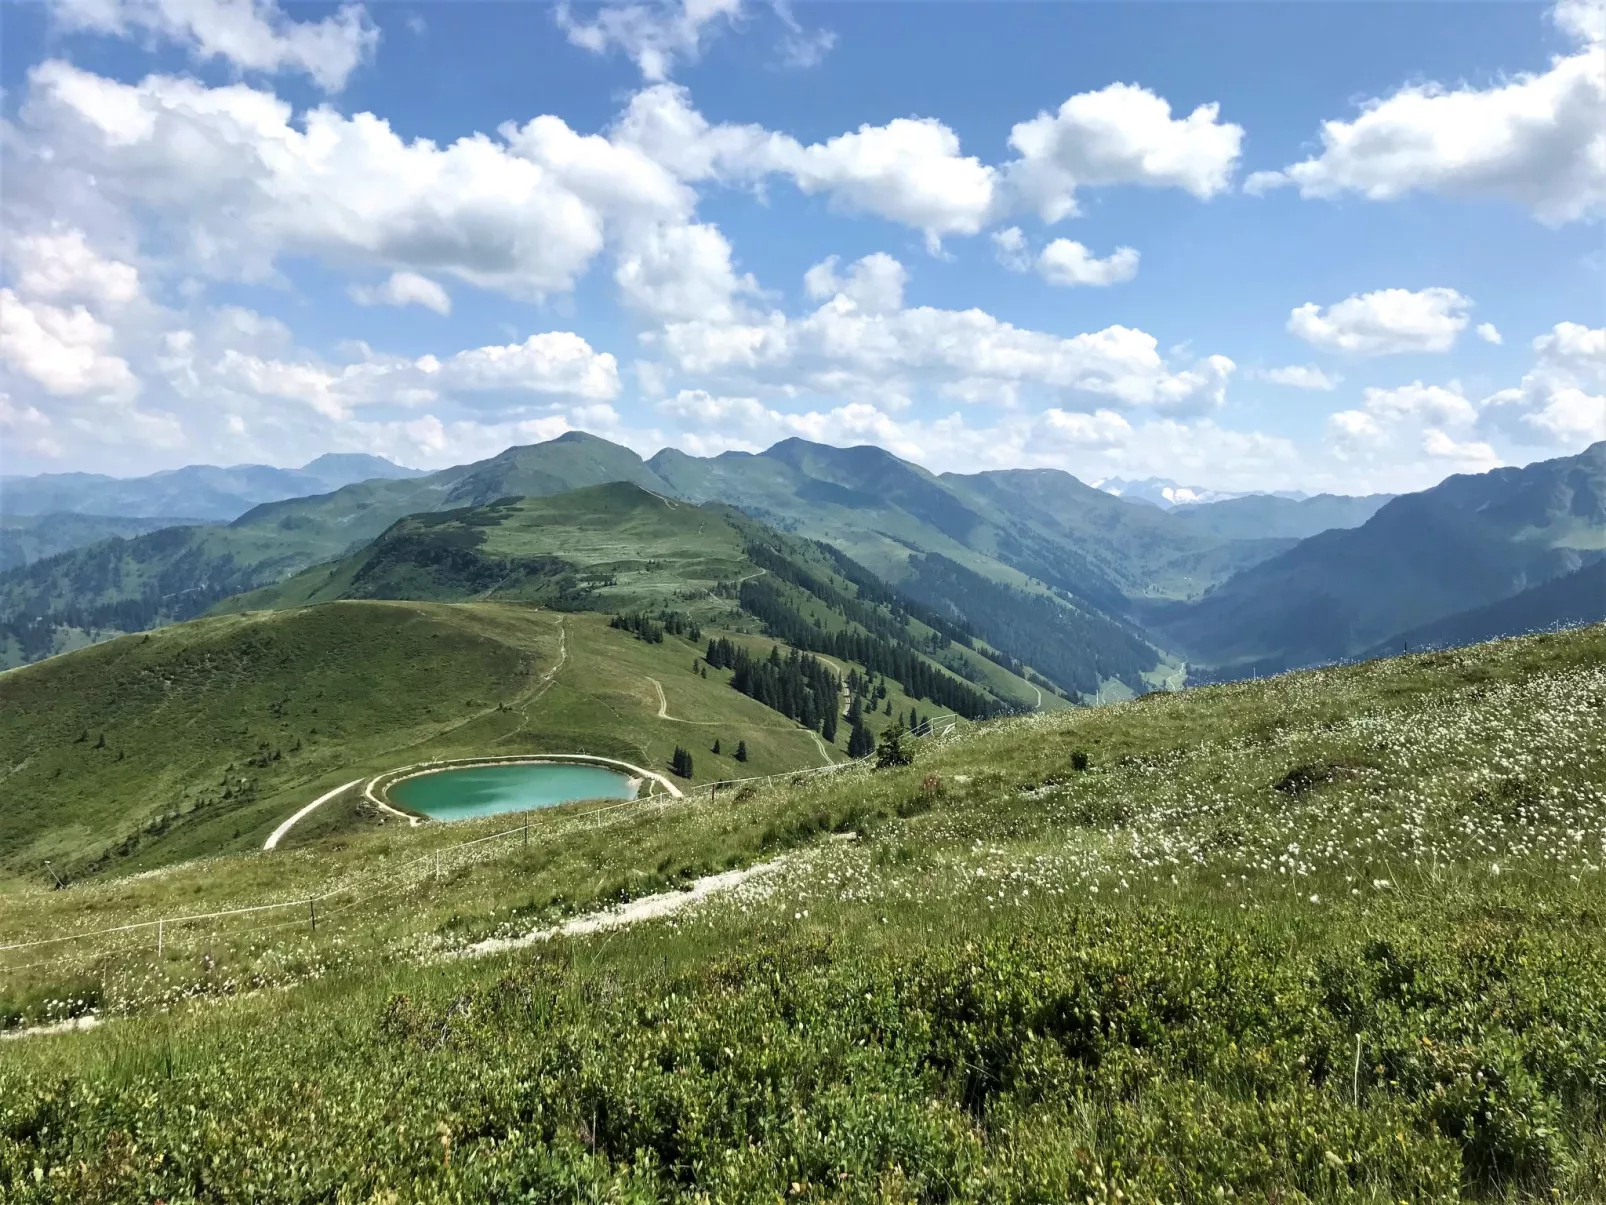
point(1236, 586)
point(198, 491)
point(1471, 541)
point(1168, 494)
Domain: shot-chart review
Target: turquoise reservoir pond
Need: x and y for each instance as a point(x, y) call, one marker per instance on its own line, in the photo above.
point(488, 790)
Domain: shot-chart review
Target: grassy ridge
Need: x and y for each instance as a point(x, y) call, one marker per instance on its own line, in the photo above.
point(199, 738)
point(1020, 981)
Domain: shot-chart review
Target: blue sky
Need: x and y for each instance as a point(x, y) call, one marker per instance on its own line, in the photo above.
point(1307, 245)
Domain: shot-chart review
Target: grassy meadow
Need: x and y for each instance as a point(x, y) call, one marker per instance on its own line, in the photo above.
point(200, 738)
point(1333, 936)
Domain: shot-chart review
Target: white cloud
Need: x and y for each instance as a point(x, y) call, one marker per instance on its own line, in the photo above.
point(858, 343)
point(873, 284)
point(909, 170)
point(252, 35)
point(67, 352)
point(1489, 333)
point(1470, 455)
point(1121, 134)
point(1561, 401)
point(801, 48)
point(27, 431)
point(229, 177)
point(558, 363)
point(60, 264)
point(1064, 262)
point(404, 288)
point(1386, 322)
point(679, 271)
point(1430, 403)
point(1536, 139)
point(1010, 246)
point(1299, 376)
point(653, 36)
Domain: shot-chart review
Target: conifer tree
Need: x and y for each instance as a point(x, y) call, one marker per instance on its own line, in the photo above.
point(893, 751)
point(715, 749)
point(741, 751)
point(860, 742)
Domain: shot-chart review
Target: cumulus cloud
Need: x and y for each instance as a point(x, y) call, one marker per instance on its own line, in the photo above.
point(1561, 401)
point(653, 36)
point(67, 352)
point(873, 284)
point(1430, 403)
point(680, 270)
point(59, 263)
point(1538, 139)
point(236, 184)
point(1299, 376)
point(1488, 333)
point(1121, 134)
point(404, 288)
point(857, 341)
point(1064, 262)
point(251, 35)
point(1386, 322)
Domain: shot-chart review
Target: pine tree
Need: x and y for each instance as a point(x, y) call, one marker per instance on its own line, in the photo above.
point(860, 742)
point(715, 749)
point(889, 706)
point(828, 723)
point(680, 763)
point(892, 751)
point(741, 751)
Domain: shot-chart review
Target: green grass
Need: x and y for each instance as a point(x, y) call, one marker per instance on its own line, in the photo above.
point(1143, 981)
point(198, 739)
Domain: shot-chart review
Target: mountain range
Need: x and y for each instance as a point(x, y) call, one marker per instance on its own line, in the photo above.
point(197, 491)
point(1167, 494)
point(1049, 570)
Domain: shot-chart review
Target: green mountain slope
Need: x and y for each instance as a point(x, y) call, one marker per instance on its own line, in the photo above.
point(620, 548)
point(28, 538)
point(1577, 598)
point(121, 586)
point(1331, 938)
point(203, 491)
point(1470, 541)
point(1266, 516)
point(202, 736)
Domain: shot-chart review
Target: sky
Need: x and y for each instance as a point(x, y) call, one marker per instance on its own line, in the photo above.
point(1318, 246)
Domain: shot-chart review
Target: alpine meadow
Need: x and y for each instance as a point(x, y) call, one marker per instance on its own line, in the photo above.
point(711, 601)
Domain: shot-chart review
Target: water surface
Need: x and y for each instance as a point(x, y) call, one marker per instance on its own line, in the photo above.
point(462, 794)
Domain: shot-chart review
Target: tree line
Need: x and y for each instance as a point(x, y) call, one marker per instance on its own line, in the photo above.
point(800, 687)
point(918, 677)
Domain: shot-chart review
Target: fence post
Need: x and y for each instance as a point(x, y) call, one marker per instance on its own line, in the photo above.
point(526, 836)
point(312, 912)
point(158, 938)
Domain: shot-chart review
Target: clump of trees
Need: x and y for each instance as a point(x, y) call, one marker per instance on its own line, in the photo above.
point(799, 686)
point(680, 763)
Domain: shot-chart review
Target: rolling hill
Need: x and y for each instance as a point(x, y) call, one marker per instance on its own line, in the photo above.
point(200, 737)
point(619, 548)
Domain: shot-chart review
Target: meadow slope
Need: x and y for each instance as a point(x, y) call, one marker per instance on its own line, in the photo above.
point(1333, 936)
